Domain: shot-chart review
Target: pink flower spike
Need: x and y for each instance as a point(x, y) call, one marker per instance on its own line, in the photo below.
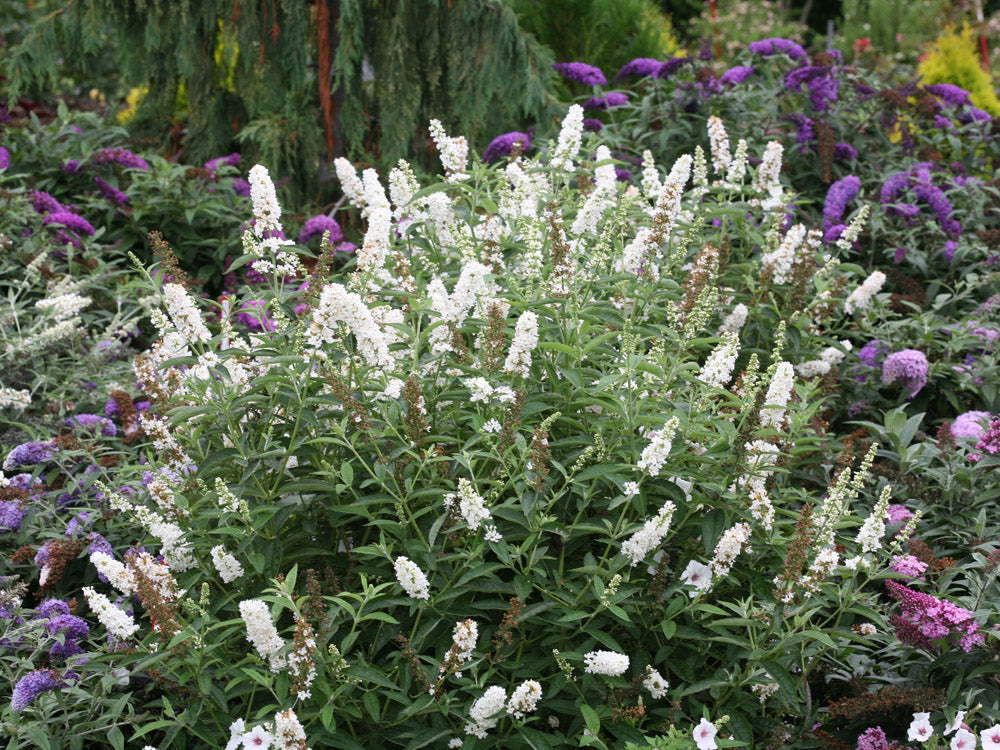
point(704, 735)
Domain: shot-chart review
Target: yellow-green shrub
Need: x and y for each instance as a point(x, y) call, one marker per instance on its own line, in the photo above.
point(953, 59)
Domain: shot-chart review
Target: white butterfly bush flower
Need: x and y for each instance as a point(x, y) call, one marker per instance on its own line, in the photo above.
point(412, 578)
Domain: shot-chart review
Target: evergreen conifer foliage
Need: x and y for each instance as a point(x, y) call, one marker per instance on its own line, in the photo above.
point(257, 76)
point(464, 62)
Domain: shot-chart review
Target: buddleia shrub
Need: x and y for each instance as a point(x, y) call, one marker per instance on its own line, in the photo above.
point(496, 483)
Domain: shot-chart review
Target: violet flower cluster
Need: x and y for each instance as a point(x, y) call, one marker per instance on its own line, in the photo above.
point(841, 193)
point(909, 368)
point(927, 622)
point(918, 178)
point(32, 685)
point(503, 145)
point(121, 156)
point(777, 46)
point(317, 225)
point(581, 73)
point(608, 101)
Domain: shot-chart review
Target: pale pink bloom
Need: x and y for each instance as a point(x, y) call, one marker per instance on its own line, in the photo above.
point(991, 738)
point(704, 735)
point(920, 728)
point(963, 740)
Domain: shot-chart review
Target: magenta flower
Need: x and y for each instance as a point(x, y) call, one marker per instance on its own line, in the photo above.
point(873, 739)
point(898, 513)
point(928, 622)
point(222, 161)
point(4, 158)
point(909, 566)
point(640, 67)
point(110, 193)
point(608, 101)
point(950, 94)
point(70, 221)
point(122, 156)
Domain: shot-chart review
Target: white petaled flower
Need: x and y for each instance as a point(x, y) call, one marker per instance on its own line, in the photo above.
point(524, 699)
point(770, 167)
point(375, 247)
point(609, 663)
point(698, 575)
point(963, 740)
point(833, 355)
point(570, 138)
point(518, 360)
point(156, 574)
point(861, 297)
point(454, 152)
point(630, 489)
point(735, 320)
point(728, 548)
point(869, 537)
point(492, 426)
point(185, 315)
point(412, 579)
point(490, 533)
point(991, 738)
point(14, 399)
point(704, 735)
point(266, 209)
point(651, 185)
point(680, 172)
point(464, 639)
point(470, 504)
point(920, 729)
point(866, 628)
point(229, 567)
point(650, 536)
point(772, 414)
point(738, 165)
point(846, 240)
point(336, 304)
point(347, 175)
point(654, 683)
point(64, 306)
point(955, 724)
point(718, 142)
point(257, 739)
point(764, 690)
point(812, 368)
point(261, 631)
point(655, 454)
point(288, 731)
point(718, 368)
point(116, 573)
point(117, 622)
point(402, 187)
point(484, 711)
point(455, 742)
point(780, 261)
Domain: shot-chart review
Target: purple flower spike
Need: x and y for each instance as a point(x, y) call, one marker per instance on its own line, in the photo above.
point(241, 187)
point(32, 685)
point(909, 368)
point(27, 454)
point(92, 423)
point(319, 224)
point(222, 161)
point(11, 514)
point(4, 158)
point(503, 145)
point(736, 75)
point(110, 193)
point(122, 156)
point(838, 196)
point(777, 46)
point(581, 73)
point(591, 125)
point(950, 94)
point(613, 99)
point(44, 203)
point(640, 67)
point(844, 152)
point(70, 221)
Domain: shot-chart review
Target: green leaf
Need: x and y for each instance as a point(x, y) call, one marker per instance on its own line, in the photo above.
point(591, 719)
